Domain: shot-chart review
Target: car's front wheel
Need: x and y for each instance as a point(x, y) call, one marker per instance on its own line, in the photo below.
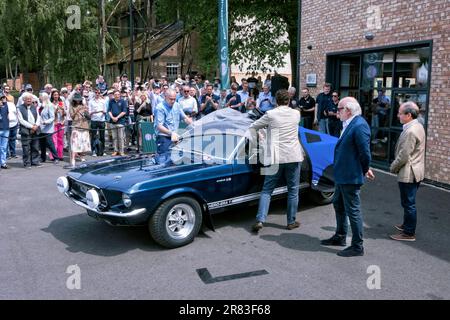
point(321, 198)
point(176, 222)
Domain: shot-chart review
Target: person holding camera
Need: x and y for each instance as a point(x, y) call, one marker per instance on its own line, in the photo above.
point(233, 100)
point(209, 101)
point(265, 100)
point(80, 140)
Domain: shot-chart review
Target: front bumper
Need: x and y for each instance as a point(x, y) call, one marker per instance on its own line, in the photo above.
point(134, 217)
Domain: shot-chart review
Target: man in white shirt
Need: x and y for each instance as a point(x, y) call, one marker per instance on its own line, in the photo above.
point(188, 103)
point(13, 127)
point(97, 111)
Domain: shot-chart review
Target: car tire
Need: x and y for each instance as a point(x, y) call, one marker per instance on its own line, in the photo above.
point(176, 222)
point(321, 198)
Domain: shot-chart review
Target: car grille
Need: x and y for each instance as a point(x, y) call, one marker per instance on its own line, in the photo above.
point(79, 190)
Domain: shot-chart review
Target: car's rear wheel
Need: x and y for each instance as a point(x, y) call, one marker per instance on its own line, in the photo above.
point(321, 198)
point(176, 222)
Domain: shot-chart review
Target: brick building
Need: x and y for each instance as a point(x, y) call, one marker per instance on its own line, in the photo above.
point(402, 47)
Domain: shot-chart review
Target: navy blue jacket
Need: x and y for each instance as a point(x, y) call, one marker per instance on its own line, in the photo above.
point(352, 153)
point(4, 122)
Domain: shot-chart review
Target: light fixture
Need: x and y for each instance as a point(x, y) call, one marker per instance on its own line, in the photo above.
point(369, 35)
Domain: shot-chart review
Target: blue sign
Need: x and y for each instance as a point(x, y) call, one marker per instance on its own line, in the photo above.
point(223, 44)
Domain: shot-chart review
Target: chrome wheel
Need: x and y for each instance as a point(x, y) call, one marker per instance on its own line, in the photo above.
point(180, 221)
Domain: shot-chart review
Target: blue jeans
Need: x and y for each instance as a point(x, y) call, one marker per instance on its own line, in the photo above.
point(163, 144)
point(11, 152)
point(291, 172)
point(347, 203)
point(4, 135)
point(408, 199)
point(323, 126)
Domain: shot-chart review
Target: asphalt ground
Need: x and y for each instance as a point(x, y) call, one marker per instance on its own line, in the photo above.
point(42, 234)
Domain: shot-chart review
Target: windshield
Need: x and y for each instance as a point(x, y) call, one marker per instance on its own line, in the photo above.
point(220, 146)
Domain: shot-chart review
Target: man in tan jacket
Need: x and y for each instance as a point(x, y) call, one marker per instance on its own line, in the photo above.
point(409, 165)
point(284, 154)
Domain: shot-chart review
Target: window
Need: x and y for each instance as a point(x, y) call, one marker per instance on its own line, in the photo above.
point(377, 70)
point(383, 79)
point(412, 67)
point(172, 71)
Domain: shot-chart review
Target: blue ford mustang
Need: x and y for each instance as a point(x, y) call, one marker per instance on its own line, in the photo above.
point(212, 168)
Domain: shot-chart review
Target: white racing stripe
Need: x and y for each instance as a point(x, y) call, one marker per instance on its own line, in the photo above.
point(248, 197)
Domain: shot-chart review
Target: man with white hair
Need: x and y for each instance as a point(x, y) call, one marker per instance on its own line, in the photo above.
point(351, 163)
point(30, 121)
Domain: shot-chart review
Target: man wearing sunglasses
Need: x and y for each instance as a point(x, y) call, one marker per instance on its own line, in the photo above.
point(351, 163)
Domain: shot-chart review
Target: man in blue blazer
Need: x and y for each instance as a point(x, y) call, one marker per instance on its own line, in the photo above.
point(351, 164)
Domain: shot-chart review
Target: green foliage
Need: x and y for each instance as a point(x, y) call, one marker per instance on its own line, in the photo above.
point(256, 44)
point(35, 35)
point(199, 16)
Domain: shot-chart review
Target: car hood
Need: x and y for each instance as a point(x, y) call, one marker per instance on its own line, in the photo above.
point(123, 173)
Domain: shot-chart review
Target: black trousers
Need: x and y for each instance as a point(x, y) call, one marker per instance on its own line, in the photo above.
point(334, 126)
point(46, 141)
point(30, 148)
point(98, 132)
point(308, 122)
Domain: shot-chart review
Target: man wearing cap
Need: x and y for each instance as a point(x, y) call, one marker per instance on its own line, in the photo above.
point(124, 81)
point(4, 129)
point(30, 121)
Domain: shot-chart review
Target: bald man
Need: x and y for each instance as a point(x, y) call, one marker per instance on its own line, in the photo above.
point(351, 163)
point(409, 165)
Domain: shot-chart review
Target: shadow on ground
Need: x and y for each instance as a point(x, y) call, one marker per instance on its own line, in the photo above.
point(83, 234)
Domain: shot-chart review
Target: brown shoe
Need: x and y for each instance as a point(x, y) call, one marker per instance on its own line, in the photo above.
point(294, 225)
point(399, 227)
point(402, 237)
point(115, 154)
point(257, 226)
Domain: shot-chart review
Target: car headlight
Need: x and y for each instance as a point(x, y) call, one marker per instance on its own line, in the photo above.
point(62, 184)
point(92, 199)
point(126, 200)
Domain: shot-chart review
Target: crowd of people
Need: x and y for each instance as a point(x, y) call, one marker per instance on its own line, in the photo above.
point(77, 118)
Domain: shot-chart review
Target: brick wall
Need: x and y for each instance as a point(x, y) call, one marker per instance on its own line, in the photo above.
point(333, 26)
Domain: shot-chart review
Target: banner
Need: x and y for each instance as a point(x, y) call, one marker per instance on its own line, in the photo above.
point(223, 44)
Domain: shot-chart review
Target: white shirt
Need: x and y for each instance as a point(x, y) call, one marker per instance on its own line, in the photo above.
point(346, 123)
point(12, 115)
point(189, 104)
point(96, 105)
point(409, 124)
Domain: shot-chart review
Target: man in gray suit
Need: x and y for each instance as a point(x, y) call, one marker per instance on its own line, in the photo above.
point(286, 153)
point(409, 165)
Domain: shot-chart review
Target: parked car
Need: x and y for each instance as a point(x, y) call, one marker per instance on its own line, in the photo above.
point(214, 167)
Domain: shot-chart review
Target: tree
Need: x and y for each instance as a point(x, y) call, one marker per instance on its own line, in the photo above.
point(35, 35)
point(258, 27)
